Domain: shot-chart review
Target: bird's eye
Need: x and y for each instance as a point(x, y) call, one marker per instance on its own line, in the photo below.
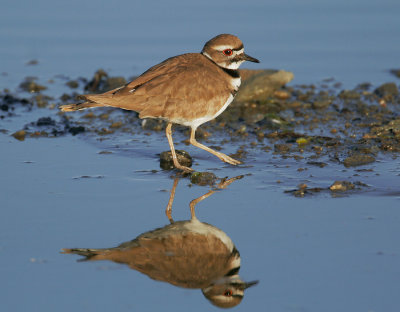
point(228, 52)
point(228, 293)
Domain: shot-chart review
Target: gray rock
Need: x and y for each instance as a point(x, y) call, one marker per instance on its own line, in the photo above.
point(167, 163)
point(342, 186)
point(203, 178)
point(395, 72)
point(358, 160)
point(258, 85)
point(387, 89)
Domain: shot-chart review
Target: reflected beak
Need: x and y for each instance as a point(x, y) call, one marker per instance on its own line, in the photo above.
point(249, 58)
point(249, 284)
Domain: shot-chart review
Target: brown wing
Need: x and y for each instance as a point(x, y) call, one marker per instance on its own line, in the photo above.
point(171, 254)
point(190, 261)
point(187, 86)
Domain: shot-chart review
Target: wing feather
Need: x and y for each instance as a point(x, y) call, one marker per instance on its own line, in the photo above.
point(182, 88)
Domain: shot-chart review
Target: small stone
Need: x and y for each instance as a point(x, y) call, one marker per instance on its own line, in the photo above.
point(167, 163)
point(389, 130)
point(281, 94)
point(42, 100)
point(30, 85)
point(358, 160)
point(104, 116)
point(282, 148)
point(89, 115)
point(302, 141)
point(113, 82)
point(32, 62)
point(102, 83)
point(153, 124)
point(321, 104)
point(387, 89)
point(317, 163)
point(45, 121)
point(395, 72)
point(76, 130)
point(301, 191)
point(105, 152)
point(73, 84)
point(257, 85)
point(116, 125)
point(65, 97)
point(203, 178)
point(349, 95)
point(104, 131)
point(19, 135)
point(94, 85)
point(341, 186)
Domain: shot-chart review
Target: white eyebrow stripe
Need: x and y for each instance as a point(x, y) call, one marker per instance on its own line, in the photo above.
point(206, 54)
point(222, 47)
point(241, 51)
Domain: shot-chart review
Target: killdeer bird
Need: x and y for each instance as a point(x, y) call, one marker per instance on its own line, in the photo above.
point(189, 254)
point(188, 89)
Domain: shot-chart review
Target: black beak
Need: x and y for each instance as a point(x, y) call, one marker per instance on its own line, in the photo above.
point(249, 284)
point(250, 58)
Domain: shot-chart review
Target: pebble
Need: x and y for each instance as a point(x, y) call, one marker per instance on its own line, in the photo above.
point(167, 163)
point(358, 160)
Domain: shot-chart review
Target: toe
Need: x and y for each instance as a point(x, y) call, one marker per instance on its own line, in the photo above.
point(184, 168)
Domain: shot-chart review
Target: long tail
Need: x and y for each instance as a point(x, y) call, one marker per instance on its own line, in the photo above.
point(91, 100)
point(80, 106)
point(88, 253)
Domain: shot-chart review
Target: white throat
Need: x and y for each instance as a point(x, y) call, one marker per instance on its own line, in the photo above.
point(234, 65)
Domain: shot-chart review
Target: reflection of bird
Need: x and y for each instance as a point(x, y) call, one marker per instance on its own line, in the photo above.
point(189, 254)
point(188, 89)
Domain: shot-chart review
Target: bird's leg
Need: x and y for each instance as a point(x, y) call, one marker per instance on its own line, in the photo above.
point(168, 132)
point(168, 210)
point(195, 201)
point(221, 156)
point(225, 182)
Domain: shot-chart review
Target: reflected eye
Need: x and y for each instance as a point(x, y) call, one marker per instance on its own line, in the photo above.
point(228, 52)
point(227, 292)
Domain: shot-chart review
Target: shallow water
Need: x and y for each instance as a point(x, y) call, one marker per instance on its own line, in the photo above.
point(310, 254)
point(318, 253)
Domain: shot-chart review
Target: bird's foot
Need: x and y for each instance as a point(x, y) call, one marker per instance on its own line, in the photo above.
point(228, 159)
point(183, 168)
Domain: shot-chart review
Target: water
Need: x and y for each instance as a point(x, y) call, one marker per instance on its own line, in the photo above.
point(353, 41)
point(318, 253)
point(309, 254)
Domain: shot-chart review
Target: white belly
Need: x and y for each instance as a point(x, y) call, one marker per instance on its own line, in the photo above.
point(199, 121)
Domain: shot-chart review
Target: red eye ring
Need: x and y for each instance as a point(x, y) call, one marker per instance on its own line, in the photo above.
point(228, 293)
point(228, 52)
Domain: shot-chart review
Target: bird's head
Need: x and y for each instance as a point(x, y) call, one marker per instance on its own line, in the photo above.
point(227, 51)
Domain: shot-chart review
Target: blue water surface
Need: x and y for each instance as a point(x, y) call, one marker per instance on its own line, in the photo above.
point(318, 253)
point(353, 41)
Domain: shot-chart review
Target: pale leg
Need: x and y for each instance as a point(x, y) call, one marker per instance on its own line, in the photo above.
point(223, 184)
point(194, 202)
point(221, 156)
point(168, 132)
point(168, 210)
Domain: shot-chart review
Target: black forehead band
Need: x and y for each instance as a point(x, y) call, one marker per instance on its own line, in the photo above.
point(238, 49)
